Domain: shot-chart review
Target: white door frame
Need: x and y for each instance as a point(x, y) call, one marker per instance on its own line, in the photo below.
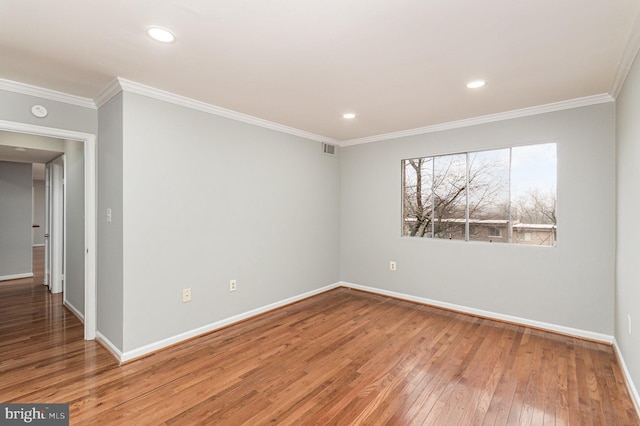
point(57, 228)
point(90, 259)
point(47, 225)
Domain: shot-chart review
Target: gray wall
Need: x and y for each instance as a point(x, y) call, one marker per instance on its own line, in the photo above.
point(16, 107)
point(16, 184)
point(110, 245)
point(38, 211)
point(628, 212)
point(74, 225)
point(209, 199)
point(571, 285)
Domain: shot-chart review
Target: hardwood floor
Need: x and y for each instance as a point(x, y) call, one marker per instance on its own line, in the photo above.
point(342, 357)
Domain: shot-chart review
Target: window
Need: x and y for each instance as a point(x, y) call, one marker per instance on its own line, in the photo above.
point(501, 196)
point(494, 231)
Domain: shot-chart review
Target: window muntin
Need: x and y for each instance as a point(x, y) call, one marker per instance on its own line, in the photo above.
point(505, 195)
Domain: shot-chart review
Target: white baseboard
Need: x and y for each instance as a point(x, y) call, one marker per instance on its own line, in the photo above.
point(38, 245)
point(147, 349)
point(628, 380)
point(109, 345)
point(152, 347)
point(16, 276)
point(487, 314)
point(73, 310)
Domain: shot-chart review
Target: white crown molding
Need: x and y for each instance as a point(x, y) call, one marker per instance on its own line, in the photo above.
point(121, 84)
point(628, 56)
point(524, 112)
point(107, 93)
point(41, 92)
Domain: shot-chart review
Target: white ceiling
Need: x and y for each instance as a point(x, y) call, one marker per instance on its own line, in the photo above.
point(31, 149)
point(24, 148)
point(397, 64)
point(9, 153)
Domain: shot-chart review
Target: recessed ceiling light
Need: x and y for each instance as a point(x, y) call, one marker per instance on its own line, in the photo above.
point(349, 116)
point(476, 84)
point(160, 34)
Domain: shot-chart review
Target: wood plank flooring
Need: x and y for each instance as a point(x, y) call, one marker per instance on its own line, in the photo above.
point(342, 357)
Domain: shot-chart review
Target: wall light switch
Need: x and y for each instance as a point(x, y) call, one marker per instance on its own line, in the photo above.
point(109, 215)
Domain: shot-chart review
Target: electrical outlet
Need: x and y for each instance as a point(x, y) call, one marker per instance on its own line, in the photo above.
point(392, 265)
point(232, 285)
point(186, 295)
point(629, 324)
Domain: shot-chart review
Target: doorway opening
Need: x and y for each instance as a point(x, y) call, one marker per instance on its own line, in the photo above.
point(89, 213)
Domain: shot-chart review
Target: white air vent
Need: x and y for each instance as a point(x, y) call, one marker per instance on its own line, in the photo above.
point(328, 149)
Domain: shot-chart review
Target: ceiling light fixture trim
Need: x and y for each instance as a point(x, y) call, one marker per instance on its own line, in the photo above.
point(349, 116)
point(476, 84)
point(161, 34)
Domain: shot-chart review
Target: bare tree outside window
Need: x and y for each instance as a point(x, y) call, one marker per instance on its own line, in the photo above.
point(418, 197)
point(534, 194)
point(505, 195)
point(489, 196)
point(450, 197)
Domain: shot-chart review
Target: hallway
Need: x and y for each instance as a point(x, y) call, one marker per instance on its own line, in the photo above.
point(38, 334)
